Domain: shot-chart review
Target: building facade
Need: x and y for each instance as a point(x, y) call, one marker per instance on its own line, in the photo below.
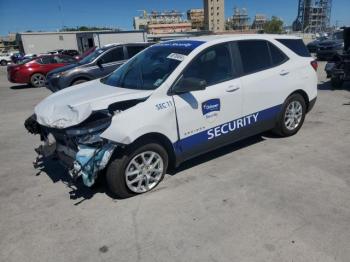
point(214, 15)
point(42, 42)
point(259, 22)
point(313, 16)
point(169, 28)
point(239, 20)
point(196, 17)
point(162, 22)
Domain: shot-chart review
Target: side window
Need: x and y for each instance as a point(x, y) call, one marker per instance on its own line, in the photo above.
point(68, 59)
point(277, 56)
point(114, 55)
point(296, 45)
point(213, 65)
point(133, 50)
point(62, 59)
point(255, 55)
point(45, 60)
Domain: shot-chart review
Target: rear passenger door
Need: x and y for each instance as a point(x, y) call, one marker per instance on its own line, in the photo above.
point(265, 80)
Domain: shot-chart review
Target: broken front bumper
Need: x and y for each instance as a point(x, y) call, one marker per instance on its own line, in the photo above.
point(81, 160)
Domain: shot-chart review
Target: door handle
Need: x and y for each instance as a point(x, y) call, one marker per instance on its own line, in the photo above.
point(284, 72)
point(232, 88)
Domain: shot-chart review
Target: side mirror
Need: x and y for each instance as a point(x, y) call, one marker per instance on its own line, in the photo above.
point(185, 85)
point(99, 63)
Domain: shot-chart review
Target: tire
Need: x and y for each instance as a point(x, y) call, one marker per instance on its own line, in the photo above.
point(37, 80)
point(78, 81)
point(3, 62)
point(336, 82)
point(288, 126)
point(120, 184)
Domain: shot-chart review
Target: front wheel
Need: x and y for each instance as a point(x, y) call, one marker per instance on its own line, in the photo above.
point(292, 116)
point(3, 62)
point(139, 170)
point(38, 80)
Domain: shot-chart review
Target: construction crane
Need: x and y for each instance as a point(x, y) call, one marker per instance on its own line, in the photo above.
point(313, 16)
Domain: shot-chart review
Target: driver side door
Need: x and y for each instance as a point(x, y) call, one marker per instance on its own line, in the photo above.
point(203, 116)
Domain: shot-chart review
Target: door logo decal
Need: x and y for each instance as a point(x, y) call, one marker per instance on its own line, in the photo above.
point(210, 108)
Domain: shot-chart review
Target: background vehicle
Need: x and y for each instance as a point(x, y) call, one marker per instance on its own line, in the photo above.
point(97, 64)
point(328, 49)
point(174, 101)
point(86, 53)
point(5, 58)
point(312, 46)
point(339, 69)
point(34, 70)
point(55, 52)
point(70, 52)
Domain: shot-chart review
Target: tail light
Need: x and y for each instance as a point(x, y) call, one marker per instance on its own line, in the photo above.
point(314, 65)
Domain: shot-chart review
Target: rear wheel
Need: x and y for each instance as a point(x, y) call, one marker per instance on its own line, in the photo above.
point(139, 170)
point(292, 116)
point(38, 80)
point(3, 62)
point(336, 82)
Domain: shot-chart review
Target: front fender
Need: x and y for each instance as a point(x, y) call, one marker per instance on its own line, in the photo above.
point(155, 115)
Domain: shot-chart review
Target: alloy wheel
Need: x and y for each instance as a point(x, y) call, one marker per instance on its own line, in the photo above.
point(38, 80)
point(144, 171)
point(293, 115)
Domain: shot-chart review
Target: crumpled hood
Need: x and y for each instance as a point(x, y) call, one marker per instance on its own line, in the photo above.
point(74, 104)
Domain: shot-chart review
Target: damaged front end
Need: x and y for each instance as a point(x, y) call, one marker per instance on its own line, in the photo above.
point(79, 148)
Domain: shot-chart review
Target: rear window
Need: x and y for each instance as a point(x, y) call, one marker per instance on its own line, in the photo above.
point(296, 45)
point(277, 56)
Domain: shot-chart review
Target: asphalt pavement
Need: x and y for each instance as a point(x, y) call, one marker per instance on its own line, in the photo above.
point(262, 199)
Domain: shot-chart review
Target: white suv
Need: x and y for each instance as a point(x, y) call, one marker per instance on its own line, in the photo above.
point(5, 58)
point(173, 101)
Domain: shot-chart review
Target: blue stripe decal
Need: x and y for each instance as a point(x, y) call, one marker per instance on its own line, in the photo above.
point(227, 128)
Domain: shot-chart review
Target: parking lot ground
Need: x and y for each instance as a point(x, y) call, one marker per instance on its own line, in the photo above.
point(263, 199)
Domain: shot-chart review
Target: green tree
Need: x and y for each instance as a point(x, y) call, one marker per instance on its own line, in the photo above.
point(274, 26)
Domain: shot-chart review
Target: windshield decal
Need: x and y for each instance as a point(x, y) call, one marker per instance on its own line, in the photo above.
point(185, 44)
point(176, 56)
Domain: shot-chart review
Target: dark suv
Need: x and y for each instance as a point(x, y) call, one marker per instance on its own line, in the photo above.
point(99, 63)
point(327, 49)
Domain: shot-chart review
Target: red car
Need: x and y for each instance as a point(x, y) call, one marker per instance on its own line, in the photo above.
point(33, 71)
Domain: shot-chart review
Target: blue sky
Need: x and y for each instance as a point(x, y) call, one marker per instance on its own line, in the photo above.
point(22, 15)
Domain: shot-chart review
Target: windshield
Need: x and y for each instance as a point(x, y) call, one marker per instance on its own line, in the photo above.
point(91, 57)
point(24, 61)
point(150, 68)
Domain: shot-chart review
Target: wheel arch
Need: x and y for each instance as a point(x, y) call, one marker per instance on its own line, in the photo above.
point(80, 77)
point(36, 72)
point(163, 141)
point(304, 95)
